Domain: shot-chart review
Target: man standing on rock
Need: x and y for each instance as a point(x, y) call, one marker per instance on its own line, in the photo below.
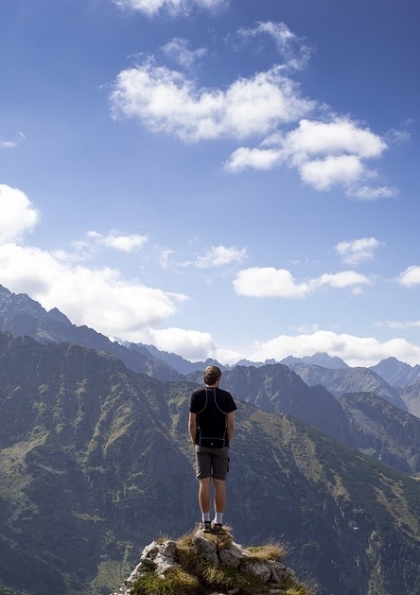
point(211, 427)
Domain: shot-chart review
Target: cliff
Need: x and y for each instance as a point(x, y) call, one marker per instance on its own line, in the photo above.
point(202, 563)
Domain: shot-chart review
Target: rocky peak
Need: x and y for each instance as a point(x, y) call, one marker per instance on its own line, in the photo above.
point(245, 568)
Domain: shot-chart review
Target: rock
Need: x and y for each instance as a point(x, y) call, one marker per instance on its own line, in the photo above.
point(162, 557)
point(233, 556)
point(259, 569)
point(206, 547)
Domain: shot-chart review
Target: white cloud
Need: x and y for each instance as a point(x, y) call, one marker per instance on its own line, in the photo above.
point(178, 49)
point(166, 101)
point(262, 159)
point(372, 193)
point(265, 282)
point(295, 52)
point(410, 277)
point(326, 154)
point(357, 251)
point(125, 243)
point(355, 351)
point(190, 344)
point(11, 144)
point(269, 282)
point(151, 7)
point(394, 324)
point(100, 298)
point(221, 256)
point(337, 137)
point(322, 174)
point(330, 152)
point(340, 280)
point(17, 214)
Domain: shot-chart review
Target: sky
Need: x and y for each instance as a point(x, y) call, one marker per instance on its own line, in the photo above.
point(229, 179)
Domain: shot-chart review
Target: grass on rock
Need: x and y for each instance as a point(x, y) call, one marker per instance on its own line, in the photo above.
point(195, 574)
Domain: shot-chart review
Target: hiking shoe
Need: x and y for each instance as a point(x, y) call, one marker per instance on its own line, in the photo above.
point(205, 526)
point(217, 528)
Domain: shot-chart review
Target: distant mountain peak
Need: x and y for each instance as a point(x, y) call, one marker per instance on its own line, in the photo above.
point(320, 358)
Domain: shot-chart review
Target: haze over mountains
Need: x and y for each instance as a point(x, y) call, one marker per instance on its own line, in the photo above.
point(21, 315)
point(95, 461)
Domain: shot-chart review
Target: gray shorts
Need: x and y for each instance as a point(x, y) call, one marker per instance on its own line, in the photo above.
point(212, 462)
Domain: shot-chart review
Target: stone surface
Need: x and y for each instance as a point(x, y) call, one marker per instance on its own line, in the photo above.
point(161, 557)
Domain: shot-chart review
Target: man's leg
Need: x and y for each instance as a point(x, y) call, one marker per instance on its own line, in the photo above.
point(219, 500)
point(204, 496)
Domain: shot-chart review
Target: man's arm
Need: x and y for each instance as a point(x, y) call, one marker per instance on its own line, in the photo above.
point(230, 426)
point(192, 425)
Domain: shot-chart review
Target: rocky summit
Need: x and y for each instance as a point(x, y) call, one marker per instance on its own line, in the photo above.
point(206, 563)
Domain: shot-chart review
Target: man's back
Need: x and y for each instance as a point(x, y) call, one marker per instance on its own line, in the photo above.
point(211, 406)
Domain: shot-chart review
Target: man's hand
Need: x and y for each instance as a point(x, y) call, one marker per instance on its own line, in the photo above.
point(192, 426)
point(230, 427)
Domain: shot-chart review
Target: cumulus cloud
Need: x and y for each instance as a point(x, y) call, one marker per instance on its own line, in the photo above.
point(293, 49)
point(125, 243)
point(340, 280)
point(326, 154)
point(355, 351)
point(18, 215)
point(356, 251)
point(322, 174)
point(326, 151)
point(336, 137)
point(98, 297)
point(264, 282)
point(269, 282)
point(193, 345)
point(410, 277)
point(255, 158)
point(178, 49)
point(221, 256)
point(152, 7)
point(167, 101)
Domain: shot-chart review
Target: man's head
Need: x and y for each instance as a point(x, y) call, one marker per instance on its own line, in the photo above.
point(212, 375)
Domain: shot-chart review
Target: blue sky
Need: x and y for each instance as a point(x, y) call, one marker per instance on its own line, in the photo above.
point(219, 178)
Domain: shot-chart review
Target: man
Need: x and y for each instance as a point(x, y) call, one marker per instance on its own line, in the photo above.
point(211, 427)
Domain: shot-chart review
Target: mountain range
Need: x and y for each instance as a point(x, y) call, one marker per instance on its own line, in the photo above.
point(95, 462)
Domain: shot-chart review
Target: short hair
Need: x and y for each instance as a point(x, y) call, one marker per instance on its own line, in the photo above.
point(211, 375)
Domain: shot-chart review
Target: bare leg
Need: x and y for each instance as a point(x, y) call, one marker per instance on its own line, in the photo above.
point(204, 494)
point(220, 495)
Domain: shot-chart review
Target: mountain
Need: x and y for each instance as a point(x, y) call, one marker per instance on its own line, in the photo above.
point(397, 373)
point(317, 359)
point(95, 463)
point(349, 380)
point(380, 430)
point(23, 316)
point(276, 389)
point(383, 431)
point(410, 394)
point(176, 362)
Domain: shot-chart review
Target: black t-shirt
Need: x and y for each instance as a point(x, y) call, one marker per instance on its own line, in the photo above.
point(211, 406)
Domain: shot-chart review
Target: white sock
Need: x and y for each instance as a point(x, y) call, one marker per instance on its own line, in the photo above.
point(205, 516)
point(218, 519)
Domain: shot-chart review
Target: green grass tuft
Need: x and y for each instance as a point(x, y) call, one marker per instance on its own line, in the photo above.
point(271, 551)
point(175, 582)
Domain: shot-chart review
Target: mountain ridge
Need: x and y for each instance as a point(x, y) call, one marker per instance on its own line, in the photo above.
point(96, 462)
point(20, 315)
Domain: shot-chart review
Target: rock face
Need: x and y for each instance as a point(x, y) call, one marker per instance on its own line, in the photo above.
point(160, 558)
